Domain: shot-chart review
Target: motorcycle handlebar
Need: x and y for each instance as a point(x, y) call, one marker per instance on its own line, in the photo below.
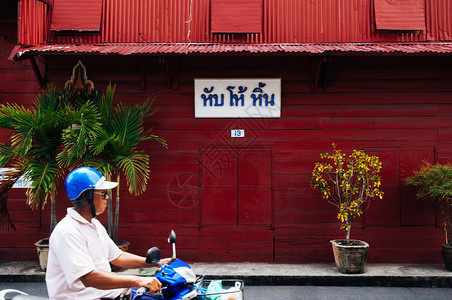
point(142, 290)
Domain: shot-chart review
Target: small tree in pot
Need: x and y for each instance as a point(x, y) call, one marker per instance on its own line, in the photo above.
point(434, 184)
point(349, 182)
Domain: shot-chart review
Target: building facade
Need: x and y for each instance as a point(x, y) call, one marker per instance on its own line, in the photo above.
point(363, 74)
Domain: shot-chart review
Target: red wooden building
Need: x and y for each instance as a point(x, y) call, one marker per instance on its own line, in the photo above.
point(364, 74)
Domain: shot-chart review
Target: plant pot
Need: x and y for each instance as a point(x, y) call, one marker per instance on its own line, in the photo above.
point(42, 246)
point(350, 257)
point(446, 253)
point(124, 246)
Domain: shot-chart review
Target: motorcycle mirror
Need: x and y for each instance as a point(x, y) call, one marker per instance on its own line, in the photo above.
point(172, 237)
point(172, 241)
point(153, 256)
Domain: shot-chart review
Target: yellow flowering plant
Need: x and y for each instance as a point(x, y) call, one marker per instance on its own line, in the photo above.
point(348, 182)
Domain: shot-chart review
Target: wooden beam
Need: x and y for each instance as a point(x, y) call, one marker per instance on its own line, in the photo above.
point(39, 77)
point(172, 72)
point(143, 72)
point(317, 71)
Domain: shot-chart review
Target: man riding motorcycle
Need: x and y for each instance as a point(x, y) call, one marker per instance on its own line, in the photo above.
point(80, 250)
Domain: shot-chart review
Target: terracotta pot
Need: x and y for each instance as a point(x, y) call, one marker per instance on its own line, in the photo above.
point(350, 257)
point(123, 245)
point(42, 246)
point(446, 253)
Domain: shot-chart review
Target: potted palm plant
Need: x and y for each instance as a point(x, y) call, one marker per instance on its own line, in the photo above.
point(434, 184)
point(108, 140)
point(94, 134)
point(32, 151)
point(349, 182)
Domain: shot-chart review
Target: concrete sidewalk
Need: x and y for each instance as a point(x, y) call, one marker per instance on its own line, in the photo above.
point(401, 275)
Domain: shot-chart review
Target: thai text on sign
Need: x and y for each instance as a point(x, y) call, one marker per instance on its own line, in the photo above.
point(238, 98)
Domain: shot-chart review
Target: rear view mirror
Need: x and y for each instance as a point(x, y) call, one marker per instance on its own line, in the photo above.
point(172, 241)
point(172, 237)
point(153, 256)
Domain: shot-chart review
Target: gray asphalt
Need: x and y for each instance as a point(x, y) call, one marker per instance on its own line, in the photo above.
point(297, 292)
point(288, 281)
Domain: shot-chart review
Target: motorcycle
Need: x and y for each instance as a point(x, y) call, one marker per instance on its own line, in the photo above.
point(179, 282)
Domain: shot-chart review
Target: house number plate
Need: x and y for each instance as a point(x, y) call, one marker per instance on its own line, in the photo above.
point(237, 132)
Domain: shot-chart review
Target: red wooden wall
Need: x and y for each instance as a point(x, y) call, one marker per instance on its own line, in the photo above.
point(17, 84)
point(249, 199)
point(399, 108)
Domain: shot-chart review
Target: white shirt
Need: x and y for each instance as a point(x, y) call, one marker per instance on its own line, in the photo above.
point(77, 247)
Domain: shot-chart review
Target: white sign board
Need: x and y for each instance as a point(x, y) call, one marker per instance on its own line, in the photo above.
point(238, 98)
point(20, 183)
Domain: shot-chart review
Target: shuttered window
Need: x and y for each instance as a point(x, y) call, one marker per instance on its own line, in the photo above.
point(80, 15)
point(399, 14)
point(236, 16)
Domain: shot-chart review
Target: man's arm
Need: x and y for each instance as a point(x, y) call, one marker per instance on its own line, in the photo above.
point(104, 280)
point(131, 261)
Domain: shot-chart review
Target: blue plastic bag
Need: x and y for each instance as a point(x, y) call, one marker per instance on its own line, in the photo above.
point(178, 279)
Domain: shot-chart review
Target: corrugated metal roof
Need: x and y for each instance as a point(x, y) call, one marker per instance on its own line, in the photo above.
point(149, 49)
point(188, 21)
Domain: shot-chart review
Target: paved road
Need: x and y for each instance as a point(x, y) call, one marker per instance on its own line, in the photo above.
point(298, 292)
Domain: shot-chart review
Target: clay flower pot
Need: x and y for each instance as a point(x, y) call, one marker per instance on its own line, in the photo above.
point(350, 257)
point(42, 246)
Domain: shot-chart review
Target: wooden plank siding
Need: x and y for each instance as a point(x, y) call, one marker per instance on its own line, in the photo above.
point(397, 107)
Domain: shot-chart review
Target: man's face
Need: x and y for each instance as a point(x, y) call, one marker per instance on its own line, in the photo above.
point(100, 200)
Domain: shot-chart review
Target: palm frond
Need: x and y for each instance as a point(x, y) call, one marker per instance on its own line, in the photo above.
point(148, 136)
point(136, 170)
point(43, 176)
point(11, 115)
point(85, 127)
point(106, 104)
point(105, 167)
point(6, 154)
point(21, 120)
point(47, 100)
point(98, 143)
point(146, 107)
point(127, 123)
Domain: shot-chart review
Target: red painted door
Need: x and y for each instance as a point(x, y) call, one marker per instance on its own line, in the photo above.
point(399, 206)
point(236, 204)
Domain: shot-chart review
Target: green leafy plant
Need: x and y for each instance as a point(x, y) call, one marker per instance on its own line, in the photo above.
point(434, 184)
point(109, 140)
point(33, 147)
point(68, 129)
point(348, 182)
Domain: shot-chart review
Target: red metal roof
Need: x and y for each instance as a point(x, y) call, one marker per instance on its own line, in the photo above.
point(188, 21)
point(146, 49)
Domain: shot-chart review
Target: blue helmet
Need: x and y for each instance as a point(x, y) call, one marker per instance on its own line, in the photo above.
point(83, 179)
